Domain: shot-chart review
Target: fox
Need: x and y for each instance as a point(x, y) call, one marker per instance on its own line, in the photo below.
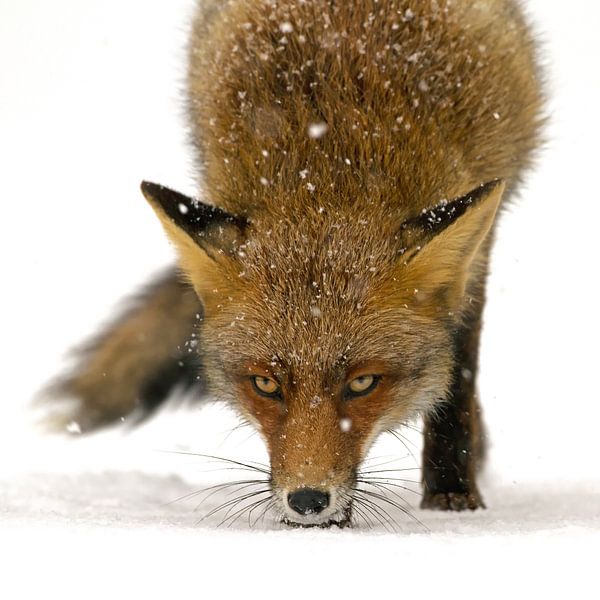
point(353, 159)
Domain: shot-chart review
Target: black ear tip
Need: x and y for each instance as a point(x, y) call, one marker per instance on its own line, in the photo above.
point(149, 189)
point(483, 191)
point(491, 185)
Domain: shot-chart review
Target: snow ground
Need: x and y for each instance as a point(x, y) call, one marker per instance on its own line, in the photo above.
point(87, 89)
point(538, 540)
point(113, 510)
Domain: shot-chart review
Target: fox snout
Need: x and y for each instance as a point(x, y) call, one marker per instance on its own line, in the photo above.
point(313, 463)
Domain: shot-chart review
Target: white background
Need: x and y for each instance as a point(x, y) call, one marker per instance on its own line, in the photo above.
point(90, 104)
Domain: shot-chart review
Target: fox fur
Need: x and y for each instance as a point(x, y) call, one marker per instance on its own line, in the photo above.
point(353, 158)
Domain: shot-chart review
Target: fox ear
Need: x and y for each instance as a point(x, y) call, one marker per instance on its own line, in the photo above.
point(441, 244)
point(190, 224)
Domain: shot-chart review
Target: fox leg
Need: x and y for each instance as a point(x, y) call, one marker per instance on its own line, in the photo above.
point(135, 363)
point(453, 445)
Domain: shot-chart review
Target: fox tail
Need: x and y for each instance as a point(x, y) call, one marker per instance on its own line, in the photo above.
point(134, 364)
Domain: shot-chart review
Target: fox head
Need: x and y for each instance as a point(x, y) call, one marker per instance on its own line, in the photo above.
point(327, 327)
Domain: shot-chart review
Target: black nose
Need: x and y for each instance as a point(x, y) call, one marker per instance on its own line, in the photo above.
point(307, 501)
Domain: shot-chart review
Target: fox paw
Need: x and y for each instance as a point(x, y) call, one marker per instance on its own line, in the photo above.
point(456, 501)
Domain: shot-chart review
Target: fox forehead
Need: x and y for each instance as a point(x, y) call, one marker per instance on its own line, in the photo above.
point(321, 242)
point(326, 337)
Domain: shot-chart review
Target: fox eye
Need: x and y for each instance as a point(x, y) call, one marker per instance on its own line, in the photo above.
point(266, 386)
point(361, 386)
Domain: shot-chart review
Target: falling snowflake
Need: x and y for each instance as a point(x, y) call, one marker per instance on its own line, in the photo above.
point(317, 130)
point(345, 425)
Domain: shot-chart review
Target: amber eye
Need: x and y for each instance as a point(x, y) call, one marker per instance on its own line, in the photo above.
point(266, 386)
point(361, 386)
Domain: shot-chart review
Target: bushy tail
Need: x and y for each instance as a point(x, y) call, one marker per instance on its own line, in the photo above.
point(134, 364)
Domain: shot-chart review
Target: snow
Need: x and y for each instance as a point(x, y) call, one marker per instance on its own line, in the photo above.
point(317, 130)
point(345, 425)
point(102, 519)
point(315, 311)
point(92, 517)
point(131, 547)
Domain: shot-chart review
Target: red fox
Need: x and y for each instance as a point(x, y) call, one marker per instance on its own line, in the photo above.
point(330, 285)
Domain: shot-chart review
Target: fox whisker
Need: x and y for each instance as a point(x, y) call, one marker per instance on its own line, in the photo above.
point(391, 502)
point(386, 484)
point(216, 488)
point(366, 479)
point(229, 492)
point(371, 471)
point(378, 512)
point(232, 502)
point(387, 457)
point(413, 427)
point(383, 489)
point(357, 509)
point(388, 461)
point(252, 465)
point(232, 518)
point(265, 510)
point(370, 510)
point(403, 441)
point(231, 487)
point(237, 427)
point(265, 502)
